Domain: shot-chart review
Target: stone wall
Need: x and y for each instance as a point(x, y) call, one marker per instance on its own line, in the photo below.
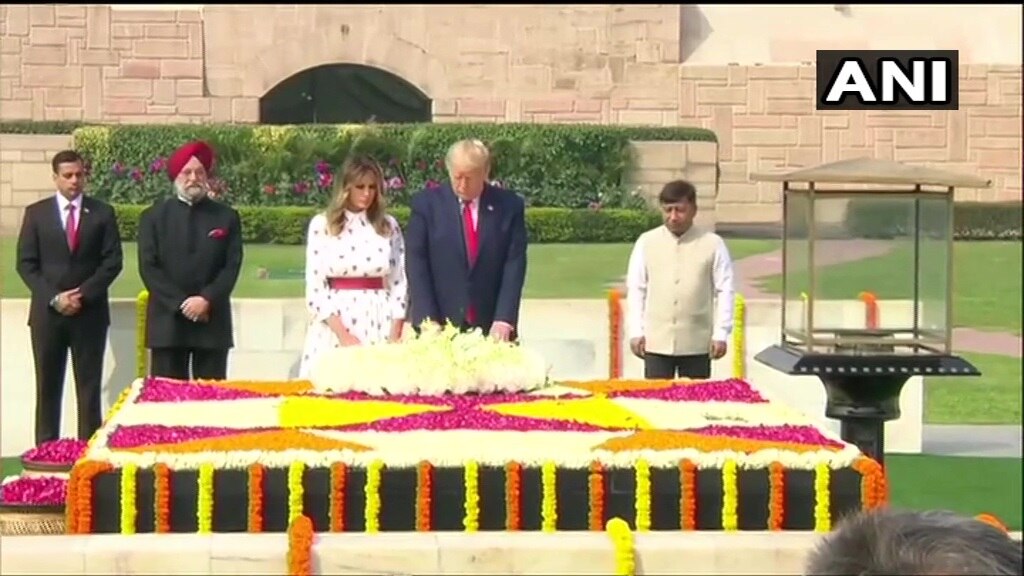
point(607, 64)
point(26, 175)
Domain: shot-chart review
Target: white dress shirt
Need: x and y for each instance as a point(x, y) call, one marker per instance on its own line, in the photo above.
point(62, 206)
point(636, 292)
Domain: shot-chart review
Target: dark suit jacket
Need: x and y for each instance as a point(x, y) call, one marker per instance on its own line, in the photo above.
point(47, 266)
point(188, 251)
point(441, 282)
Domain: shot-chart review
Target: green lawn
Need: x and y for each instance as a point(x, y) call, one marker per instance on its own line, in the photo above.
point(992, 398)
point(969, 486)
point(986, 281)
point(554, 270)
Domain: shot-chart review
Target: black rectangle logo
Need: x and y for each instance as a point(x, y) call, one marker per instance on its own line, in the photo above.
point(888, 80)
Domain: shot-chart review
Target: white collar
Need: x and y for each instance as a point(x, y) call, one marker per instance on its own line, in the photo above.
point(63, 202)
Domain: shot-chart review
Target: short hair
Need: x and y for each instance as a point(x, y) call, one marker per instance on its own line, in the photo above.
point(902, 542)
point(471, 151)
point(678, 191)
point(64, 157)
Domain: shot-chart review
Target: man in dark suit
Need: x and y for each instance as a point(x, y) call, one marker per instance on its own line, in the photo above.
point(69, 253)
point(190, 254)
point(466, 248)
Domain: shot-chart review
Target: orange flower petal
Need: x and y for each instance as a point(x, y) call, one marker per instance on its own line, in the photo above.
point(609, 386)
point(667, 440)
point(264, 440)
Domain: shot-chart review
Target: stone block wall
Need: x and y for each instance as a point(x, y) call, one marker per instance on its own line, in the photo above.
point(603, 64)
point(25, 173)
point(661, 162)
point(70, 62)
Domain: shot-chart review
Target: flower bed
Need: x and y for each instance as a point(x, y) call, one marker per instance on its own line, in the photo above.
point(33, 493)
point(435, 362)
point(55, 456)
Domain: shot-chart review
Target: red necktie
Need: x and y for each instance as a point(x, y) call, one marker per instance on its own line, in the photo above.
point(472, 245)
point(71, 229)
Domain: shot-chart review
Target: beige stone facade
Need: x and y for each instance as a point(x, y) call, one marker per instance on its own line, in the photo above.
point(610, 64)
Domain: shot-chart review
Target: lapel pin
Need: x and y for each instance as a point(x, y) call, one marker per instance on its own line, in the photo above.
point(85, 210)
point(490, 208)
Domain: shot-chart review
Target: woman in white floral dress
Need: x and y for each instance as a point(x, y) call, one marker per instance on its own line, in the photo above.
point(355, 268)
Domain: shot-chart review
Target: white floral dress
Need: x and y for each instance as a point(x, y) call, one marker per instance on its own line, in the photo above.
point(357, 252)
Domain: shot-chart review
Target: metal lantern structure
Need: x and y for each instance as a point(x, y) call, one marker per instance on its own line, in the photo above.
point(854, 209)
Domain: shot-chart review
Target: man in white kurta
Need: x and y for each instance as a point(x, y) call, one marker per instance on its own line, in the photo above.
point(679, 292)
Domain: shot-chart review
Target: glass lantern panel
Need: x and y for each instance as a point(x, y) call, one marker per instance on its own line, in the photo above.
point(796, 237)
point(863, 263)
point(935, 244)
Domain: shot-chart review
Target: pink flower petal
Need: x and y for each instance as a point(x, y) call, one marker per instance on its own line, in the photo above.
point(60, 451)
point(35, 491)
point(712, 391)
point(784, 433)
point(145, 434)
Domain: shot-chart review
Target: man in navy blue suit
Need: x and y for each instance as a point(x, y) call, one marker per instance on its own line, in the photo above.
point(466, 248)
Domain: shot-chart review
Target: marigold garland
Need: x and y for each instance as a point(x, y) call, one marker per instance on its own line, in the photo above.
point(372, 511)
point(256, 474)
point(79, 509)
point(687, 495)
point(300, 546)
point(739, 338)
point(129, 510)
point(296, 490)
point(471, 521)
point(871, 316)
point(625, 549)
point(339, 477)
point(141, 352)
point(614, 334)
point(776, 496)
point(643, 496)
point(596, 493)
point(204, 504)
point(822, 498)
point(872, 483)
point(513, 484)
point(161, 498)
point(424, 495)
point(549, 498)
point(730, 499)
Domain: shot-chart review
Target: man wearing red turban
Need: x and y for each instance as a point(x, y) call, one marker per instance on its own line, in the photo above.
point(190, 254)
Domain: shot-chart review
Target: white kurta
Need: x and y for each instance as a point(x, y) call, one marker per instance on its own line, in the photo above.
point(357, 252)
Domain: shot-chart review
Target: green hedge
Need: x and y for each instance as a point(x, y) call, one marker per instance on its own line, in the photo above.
point(566, 166)
point(971, 220)
point(288, 224)
point(40, 127)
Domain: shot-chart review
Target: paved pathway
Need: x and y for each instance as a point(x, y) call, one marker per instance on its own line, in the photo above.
point(985, 441)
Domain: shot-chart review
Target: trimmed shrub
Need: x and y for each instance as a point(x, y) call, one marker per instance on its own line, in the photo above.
point(564, 166)
point(971, 220)
point(288, 224)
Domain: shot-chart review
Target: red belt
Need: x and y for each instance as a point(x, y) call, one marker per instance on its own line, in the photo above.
point(376, 283)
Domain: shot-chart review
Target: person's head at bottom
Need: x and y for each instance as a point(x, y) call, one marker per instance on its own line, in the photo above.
point(913, 543)
point(189, 168)
point(678, 203)
point(469, 167)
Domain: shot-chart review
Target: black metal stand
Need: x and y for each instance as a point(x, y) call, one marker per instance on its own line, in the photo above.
point(863, 404)
point(863, 391)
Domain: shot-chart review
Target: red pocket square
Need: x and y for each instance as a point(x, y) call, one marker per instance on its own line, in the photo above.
point(218, 233)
